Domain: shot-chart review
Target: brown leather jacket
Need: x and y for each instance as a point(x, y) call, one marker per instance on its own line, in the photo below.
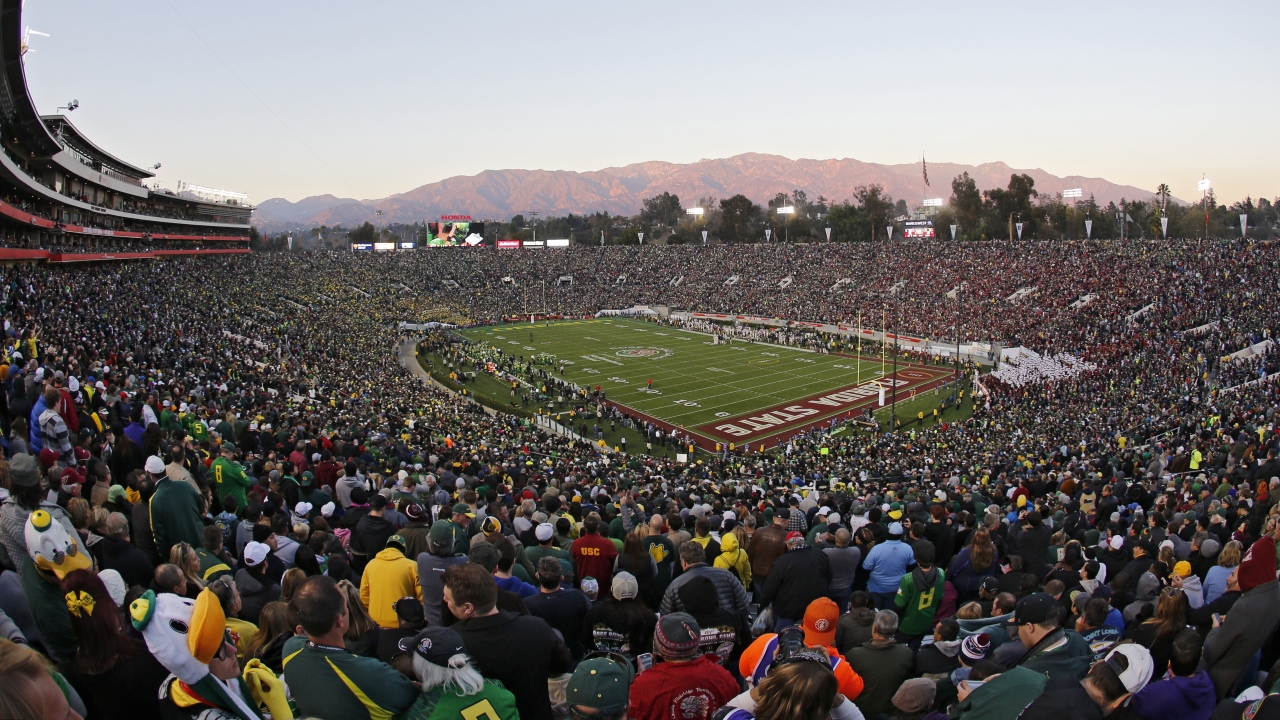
point(767, 544)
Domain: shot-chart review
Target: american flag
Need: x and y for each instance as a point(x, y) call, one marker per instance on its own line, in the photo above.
point(925, 168)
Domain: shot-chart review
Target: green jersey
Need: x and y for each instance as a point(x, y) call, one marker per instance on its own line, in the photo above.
point(493, 702)
point(918, 605)
point(229, 479)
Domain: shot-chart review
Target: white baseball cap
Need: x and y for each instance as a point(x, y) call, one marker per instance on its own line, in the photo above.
point(1140, 667)
point(544, 532)
point(255, 553)
point(155, 465)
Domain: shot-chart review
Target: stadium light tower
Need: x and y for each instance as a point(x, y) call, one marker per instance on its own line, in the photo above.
point(533, 223)
point(1204, 186)
point(787, 210)
point(1073, 193)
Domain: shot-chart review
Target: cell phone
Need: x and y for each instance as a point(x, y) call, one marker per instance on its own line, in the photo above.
point(1217, 618)
point(975, 684)
point(645, 661)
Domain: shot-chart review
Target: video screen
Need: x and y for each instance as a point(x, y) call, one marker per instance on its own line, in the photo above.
point(447, 234)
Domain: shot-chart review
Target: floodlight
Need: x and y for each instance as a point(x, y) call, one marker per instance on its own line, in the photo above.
point(1204, 185)
point(933, 202)
point(695, 211)
point(788, 210)
point(1073, 193)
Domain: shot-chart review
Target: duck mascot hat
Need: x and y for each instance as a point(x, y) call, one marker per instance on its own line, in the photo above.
point(51, 547)
point(184, 635)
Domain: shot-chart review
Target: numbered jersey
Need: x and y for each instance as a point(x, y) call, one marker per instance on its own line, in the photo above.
point(494, 702)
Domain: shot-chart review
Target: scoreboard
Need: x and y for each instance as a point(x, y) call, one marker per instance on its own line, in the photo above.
point(918, 229)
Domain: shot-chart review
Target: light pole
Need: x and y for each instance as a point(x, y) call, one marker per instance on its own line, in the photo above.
point(787, 210)
point(1072, 194)
point(533, 223)
point(1203, 186)
point(698, 213)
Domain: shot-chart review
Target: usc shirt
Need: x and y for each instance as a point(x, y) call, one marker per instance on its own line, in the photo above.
point(593, 557)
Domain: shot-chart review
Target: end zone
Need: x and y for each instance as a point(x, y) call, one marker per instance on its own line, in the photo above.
point(804, 413)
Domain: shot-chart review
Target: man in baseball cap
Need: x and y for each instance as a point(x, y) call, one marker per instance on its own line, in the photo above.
point(451, 685)
point(600, 689)
point(1051, 650)
point(819, 626)
point(441, 554)
point(388, 577)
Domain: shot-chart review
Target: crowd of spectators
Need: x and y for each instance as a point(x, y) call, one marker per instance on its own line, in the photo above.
point(223, 498)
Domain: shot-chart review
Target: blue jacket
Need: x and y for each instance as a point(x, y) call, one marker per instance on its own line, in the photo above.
point(33, 427)
point(1115, 619)
point(1177, 698)
point(887, 563)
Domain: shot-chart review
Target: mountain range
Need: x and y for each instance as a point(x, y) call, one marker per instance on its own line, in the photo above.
point(499, 194)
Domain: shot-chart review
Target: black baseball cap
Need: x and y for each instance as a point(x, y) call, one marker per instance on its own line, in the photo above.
point(1035, 608)
point(434, 644)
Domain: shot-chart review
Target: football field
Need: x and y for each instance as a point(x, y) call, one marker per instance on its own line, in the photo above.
point(727, 393)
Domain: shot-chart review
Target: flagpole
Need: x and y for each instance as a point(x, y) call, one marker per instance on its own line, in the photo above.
point(859, 350)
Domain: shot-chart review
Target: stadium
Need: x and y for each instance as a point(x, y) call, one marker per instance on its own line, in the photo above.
point(830, 460)
point(66, 200)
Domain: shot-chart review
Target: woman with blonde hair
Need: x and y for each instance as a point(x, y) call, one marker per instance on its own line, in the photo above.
point(184, 556)
point(30, 689)
point(275, 626)
point(1215, 581)
point(362, 632)
point(290, 581)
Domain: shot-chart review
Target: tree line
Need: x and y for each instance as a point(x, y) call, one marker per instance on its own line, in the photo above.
point(978, 214)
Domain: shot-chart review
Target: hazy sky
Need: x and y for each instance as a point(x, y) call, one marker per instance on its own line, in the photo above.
point(366, 99)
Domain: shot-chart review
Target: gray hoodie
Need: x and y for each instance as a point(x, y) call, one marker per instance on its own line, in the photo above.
point(1144, 594)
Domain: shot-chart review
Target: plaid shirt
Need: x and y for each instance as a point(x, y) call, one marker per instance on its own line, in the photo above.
point(796, 522)
point(56, 436)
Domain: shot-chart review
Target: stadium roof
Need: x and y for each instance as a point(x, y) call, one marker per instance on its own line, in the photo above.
point(72, 135)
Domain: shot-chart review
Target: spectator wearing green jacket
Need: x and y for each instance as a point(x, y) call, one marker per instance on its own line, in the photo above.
point(919, 595)
point(175, 510)
point(327, 681)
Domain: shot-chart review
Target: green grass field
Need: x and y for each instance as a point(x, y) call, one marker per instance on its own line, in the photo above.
point(734, 393)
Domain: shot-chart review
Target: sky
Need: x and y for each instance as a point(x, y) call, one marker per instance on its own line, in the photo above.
point(289, 98)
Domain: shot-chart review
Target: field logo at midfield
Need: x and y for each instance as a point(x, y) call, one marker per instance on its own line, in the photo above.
point(650, 353)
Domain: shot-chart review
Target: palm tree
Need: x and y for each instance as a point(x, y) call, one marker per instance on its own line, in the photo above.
point(1163, 193)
